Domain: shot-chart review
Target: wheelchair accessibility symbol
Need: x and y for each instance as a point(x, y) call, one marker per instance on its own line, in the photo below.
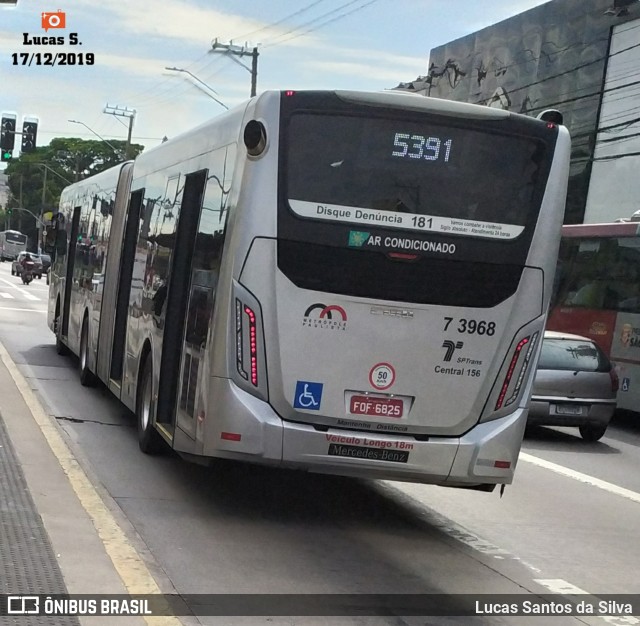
point(308, 395)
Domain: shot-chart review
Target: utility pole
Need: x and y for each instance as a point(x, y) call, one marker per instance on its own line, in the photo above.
point(123, 112)
point(240, 51)
point(44, 188)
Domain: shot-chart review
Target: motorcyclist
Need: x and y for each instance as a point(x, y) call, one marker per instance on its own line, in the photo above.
point(27, 263)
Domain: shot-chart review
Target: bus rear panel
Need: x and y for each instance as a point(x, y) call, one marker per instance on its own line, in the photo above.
point(12, 243)
point(389, 321)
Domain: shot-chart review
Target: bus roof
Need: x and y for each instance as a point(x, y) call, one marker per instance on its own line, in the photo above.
point(614, 229)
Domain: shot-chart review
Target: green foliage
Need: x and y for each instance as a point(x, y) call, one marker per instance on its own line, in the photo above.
point(71, 159)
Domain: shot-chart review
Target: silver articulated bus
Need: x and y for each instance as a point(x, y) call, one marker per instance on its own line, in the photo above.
point(339, 282)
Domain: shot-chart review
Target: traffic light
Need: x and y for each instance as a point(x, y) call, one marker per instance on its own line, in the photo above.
point(29, 132)
point(7, 136)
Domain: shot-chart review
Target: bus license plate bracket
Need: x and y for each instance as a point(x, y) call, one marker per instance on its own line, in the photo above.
point(373, 406)
point(569, 409)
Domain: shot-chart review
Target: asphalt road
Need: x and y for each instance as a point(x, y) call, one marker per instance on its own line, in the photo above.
point(569, 523)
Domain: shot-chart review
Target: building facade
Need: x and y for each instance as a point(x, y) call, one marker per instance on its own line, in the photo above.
point(581, 57)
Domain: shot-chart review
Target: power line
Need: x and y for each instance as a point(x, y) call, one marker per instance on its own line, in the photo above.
point(321, 25)
point(281, 21)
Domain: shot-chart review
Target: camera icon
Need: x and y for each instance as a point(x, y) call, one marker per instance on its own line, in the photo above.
point(54, 20)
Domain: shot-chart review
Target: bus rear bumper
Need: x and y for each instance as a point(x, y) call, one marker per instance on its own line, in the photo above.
point(248, 429)
point(487, 454)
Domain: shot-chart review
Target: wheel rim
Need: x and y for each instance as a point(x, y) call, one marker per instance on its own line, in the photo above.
point(146, 403)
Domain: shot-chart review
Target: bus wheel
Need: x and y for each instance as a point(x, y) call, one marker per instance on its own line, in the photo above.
point(149, 439)
point(87, 379)
point(592, 433)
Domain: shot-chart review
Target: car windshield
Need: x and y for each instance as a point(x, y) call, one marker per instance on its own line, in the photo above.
point(572, 354)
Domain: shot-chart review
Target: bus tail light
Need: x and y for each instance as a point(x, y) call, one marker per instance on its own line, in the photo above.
point(246, 343)
point(519, 363)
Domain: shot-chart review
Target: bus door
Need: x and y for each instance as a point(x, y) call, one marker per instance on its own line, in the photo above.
point(194, 365)
point(179, 349)
point(206, 243)
point(68, 283)
point(124, 260)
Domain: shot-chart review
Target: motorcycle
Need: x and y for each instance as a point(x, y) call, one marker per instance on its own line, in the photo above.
point(27, 272)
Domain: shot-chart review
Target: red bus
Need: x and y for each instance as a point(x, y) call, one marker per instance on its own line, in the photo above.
point(597, 295)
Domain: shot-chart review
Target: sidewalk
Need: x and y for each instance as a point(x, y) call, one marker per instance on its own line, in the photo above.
point(57, 535)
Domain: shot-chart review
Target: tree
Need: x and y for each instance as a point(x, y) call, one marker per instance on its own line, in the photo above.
point(71, 159)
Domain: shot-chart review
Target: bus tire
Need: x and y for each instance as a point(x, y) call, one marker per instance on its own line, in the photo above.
point(149, 440)
point(61, 349)
point(591, 432)
point(87, 378)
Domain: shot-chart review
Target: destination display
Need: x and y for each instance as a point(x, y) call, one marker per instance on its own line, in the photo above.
point(433, 223)
point(413, 175)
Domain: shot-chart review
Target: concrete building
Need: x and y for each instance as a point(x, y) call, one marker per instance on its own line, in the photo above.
point(579, 56)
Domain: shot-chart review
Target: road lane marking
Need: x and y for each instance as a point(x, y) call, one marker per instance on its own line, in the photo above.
point(12, 308)
point(7, 295)
point(131, 567)
point(26, 294)
point(565, 588)
point(411, 493)
point(634, 496)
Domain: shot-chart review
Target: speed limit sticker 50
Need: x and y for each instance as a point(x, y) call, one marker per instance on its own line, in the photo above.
point(382, 376)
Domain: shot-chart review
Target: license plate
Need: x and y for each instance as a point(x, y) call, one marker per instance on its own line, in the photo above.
point(378, 407)
point(568, 409)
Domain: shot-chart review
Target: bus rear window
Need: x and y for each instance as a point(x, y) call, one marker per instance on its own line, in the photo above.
point(414, 167)
point(16, 238)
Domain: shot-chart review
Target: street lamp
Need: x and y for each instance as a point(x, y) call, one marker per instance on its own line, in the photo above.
point(179, 69)
point(118, 152)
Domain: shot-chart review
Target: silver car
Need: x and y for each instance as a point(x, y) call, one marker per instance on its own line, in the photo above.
point(575, 385)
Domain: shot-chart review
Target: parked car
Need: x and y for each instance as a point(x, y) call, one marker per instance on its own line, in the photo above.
point(575, 385)
point(16, 265)
point(46, 262)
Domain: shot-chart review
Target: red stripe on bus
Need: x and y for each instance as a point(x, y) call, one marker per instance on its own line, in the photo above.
point(621, 229)
point(616, 359)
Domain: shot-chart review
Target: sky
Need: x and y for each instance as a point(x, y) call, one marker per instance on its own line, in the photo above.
point(309, 44)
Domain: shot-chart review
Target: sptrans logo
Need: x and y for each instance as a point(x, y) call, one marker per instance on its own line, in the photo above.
point(332, 317)
point(450, 347)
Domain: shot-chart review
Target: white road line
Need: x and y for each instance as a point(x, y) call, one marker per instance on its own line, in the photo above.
point(565, 588)
point(26, 294)
point(634, 496)
point(10, 308)
point(7, 295)
point(408, 492)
